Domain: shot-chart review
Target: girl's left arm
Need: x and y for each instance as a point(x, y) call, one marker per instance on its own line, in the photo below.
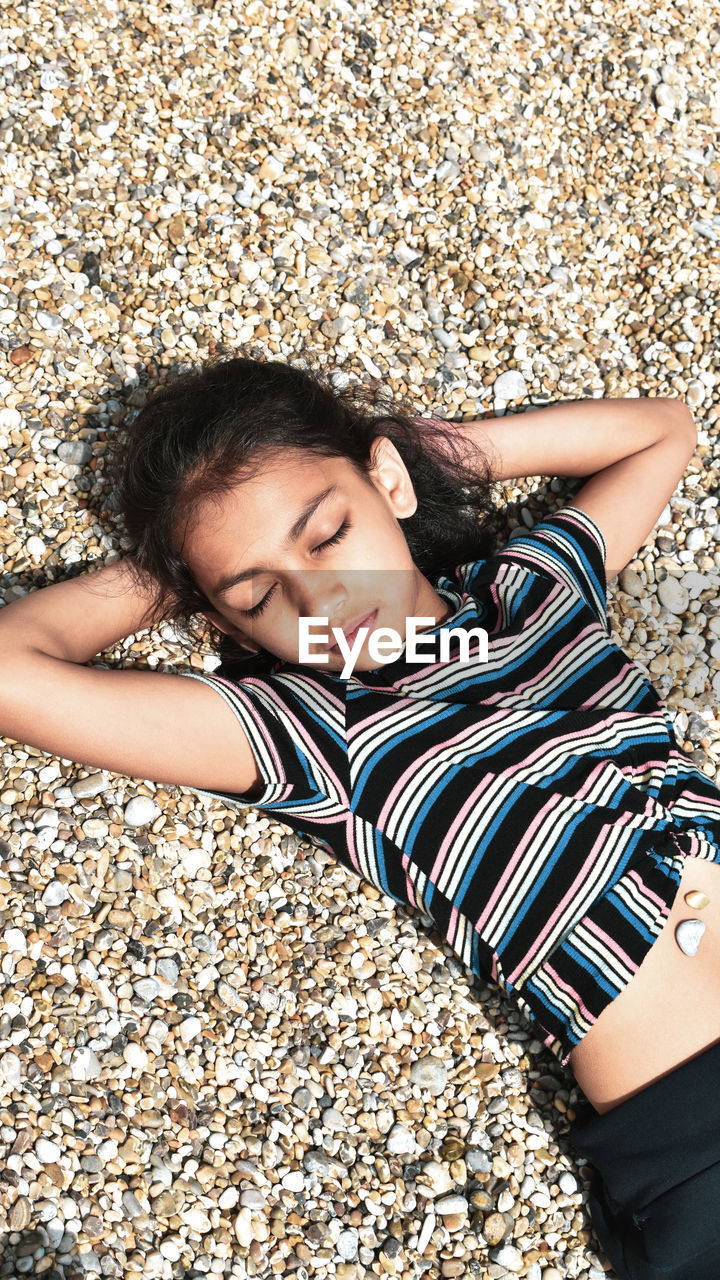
point(635, 452)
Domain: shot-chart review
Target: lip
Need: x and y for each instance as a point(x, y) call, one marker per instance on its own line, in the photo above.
point(367, 618)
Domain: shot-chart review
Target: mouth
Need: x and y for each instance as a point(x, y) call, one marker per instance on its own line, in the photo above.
point(367, 621)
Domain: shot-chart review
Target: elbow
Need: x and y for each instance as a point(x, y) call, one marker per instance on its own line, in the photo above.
point(683, 423)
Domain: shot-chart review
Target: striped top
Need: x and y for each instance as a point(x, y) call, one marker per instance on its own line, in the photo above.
point(535, 805)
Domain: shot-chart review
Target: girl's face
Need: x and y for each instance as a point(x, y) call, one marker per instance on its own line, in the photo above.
point(269, 542)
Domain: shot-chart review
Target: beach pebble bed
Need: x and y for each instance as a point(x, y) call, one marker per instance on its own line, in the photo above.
point(220, 1052)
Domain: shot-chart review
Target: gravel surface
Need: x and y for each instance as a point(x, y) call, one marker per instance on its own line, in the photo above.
point(220, 1052)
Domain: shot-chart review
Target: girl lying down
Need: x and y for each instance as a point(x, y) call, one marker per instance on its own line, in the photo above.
point(515, 775)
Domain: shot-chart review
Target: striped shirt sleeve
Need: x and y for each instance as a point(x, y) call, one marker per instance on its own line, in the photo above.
point(570, 547)
point(284, 750)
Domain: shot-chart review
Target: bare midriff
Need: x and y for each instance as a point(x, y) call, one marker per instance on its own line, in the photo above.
point(669, 1011)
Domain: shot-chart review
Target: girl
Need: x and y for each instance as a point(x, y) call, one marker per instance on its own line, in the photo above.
point(535, 803)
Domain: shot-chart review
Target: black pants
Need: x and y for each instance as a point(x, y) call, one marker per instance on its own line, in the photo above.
point(655, 1194)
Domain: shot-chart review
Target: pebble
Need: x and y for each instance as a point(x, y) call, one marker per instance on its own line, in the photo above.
point(190, 1028)
point(15, 941)
point(55, 893)
point(399, 1140)
point(451, 1204)
point(509, 1257)
point(85, 1065)
point(47, 1152)
point(90, 786)
point(11, 1068)
point(673, 595)
point(135, 1056)
point(430, 1074)
point(193, 1080)
point(510, 386)
point(141, 811)
point(168, 970)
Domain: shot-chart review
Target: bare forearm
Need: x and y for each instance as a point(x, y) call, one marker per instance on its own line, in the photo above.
point(78, 618)
point(576, 439)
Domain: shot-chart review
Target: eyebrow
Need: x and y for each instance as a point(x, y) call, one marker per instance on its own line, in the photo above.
point(290, 538)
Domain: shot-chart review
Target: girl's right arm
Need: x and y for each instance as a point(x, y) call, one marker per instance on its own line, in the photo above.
point(145, 724)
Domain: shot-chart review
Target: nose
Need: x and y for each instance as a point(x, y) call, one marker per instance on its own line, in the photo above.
point(321, 595)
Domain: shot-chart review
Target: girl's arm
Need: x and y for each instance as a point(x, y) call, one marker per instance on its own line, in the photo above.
point(635, 452)
point(575, 439)
point(145, 724)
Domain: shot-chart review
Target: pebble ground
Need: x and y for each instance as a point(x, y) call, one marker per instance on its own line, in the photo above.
point(220, 1053)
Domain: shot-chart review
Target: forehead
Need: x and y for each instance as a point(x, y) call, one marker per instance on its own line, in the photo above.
point(260, 509)
point(279, 487)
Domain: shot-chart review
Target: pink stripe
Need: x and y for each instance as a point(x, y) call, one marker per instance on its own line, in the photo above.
point(388, 810)
point(350, 841)
point(632, 875)
point(610, 943)
point(582, 877)
point(565, 986)
point(648, 893)
point(446, 845)
point(301, 735)
point(550, 804)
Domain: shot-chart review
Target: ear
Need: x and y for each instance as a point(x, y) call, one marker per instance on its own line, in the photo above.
point(223, 624)
point(390, 476)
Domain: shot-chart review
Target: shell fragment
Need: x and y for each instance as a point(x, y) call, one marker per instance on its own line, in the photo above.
point(688, 935)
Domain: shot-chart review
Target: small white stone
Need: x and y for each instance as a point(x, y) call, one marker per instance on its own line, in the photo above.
point(15, 939)
point(135, 1056)
point(506, 1200)
point(400, 1140)
point(54, 893)
point(403, 254)
point(141, 811)
point(10, 419)
point(294, 1180)
point(10, 1067)
point(451, 1204)
point(696, 391)
point(694, 540)
point(347, 1244)
point(270, 169)
point(426, 1231)
point(46, 1151)
point(35, 547)
point(243, 1228)
point(197, 1218)
point(567, 1183)
point(192, 860)
point(510, 386)
point(189, 1029)
point(105, 130)
point(673, 596)
point(50, 321)
point(429, 1073)
point(688, 934)
point(84, 1065)
point(508, 1256)
point(436, 1178)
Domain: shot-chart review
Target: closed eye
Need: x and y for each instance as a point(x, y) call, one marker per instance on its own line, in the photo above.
point(337, 537)
point(329, 542)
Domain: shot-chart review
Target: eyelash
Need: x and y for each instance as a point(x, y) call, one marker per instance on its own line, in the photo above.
point(329, 542)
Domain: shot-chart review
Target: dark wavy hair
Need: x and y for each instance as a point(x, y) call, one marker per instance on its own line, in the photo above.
point(212, 425)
